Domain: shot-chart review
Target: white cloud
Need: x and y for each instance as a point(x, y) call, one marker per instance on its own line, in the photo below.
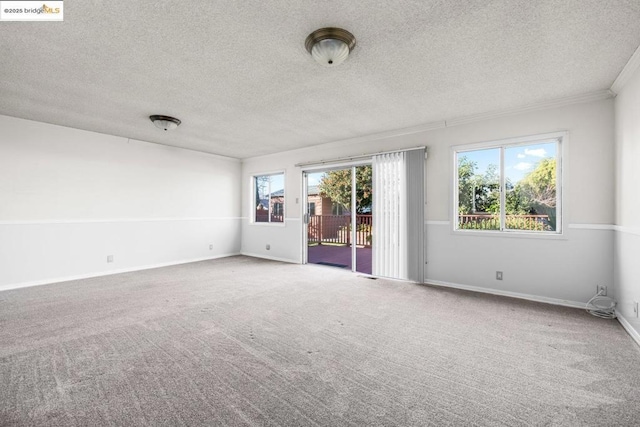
point(521, 156)
point(523, 166)
point(540, 152)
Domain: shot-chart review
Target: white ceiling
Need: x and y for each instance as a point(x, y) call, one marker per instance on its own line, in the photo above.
point(237, 74)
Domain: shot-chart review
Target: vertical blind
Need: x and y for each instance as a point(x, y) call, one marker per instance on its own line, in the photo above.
point(398, 215)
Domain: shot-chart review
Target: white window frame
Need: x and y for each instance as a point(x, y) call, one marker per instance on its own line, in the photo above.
point(281, 206)
point(252, 199)
point(561, 141)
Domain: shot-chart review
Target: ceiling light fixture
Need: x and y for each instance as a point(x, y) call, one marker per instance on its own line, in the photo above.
point(165, 122)
point(330, 46)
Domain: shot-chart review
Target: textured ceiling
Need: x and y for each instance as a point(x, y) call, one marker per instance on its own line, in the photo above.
point(237, 74)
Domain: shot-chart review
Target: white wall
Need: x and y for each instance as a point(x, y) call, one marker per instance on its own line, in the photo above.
point(627, 267)
point(69, 198)
point(562, 270)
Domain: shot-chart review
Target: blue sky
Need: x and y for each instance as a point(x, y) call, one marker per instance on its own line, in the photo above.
point(519, 160)
point(277, 182)
point(314, 178)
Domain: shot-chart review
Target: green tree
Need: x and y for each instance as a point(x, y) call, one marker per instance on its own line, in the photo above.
point(534, 194)
point(540, 184)
point(538, 190)
point(466, 185)
point(489, 197)
point(477, 193)
point(336, 185)
point(516, 201)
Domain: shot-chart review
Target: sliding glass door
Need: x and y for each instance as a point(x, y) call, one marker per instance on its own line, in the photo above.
point(368, 217)
point(338, 218)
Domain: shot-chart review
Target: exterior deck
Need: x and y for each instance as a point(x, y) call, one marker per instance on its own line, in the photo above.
point(340, 256)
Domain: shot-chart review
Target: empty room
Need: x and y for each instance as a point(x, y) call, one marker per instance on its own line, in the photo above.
point(323, 213)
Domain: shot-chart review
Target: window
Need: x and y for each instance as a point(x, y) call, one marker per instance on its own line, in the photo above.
point(278, 209)
point(312, 208)
point(268, 196)
point(509, 187)
point(338, 209)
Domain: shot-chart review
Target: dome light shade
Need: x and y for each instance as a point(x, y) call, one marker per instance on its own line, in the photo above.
point(330, 46)
point(330, 52)
point(165, 122)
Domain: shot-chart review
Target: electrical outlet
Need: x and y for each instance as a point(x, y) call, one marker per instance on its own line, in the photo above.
point(603, 289)
point(109, 258)
point(268, 247)
point(635, 308)
point(498, 275)
point(210, 247)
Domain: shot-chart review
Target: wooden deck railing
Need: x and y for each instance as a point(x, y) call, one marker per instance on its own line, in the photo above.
point(262, 215)
point(337, 229)
point(514, 222)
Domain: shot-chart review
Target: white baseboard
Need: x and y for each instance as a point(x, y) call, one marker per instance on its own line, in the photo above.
point(627, 327)
point(536, 298)
point(272, 258)
point(108, 273)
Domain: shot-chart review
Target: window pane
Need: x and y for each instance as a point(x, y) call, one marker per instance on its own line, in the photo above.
point(262, 198)
point(530, 181)
point(277, 197)
point(479, 189)
point(269, 198)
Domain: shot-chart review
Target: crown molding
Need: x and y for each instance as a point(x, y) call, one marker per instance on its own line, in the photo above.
point(365, 138)
point(394, 133)
point(543, 105)
point(441, 124)
point(124, 138)
point(629, 70)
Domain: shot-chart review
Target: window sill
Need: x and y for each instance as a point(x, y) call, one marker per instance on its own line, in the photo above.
point(268, 224)
point(511, 234)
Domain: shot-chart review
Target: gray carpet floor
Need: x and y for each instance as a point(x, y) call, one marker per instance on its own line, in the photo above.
point(241, 341)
